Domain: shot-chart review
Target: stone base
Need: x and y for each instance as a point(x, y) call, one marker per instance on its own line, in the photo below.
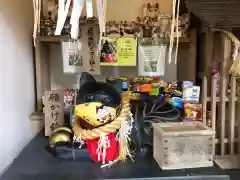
point(228, 162)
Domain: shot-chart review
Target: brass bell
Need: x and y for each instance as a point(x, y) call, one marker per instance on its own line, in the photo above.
point(61, 134)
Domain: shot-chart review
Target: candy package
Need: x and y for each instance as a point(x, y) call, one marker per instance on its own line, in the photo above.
point(193, 111)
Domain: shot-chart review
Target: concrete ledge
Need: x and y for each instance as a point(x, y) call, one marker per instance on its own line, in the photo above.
point(37, 116)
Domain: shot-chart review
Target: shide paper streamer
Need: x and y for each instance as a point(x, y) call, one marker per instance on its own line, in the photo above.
point(175, 18)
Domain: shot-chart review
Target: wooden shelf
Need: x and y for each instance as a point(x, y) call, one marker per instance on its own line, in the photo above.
point(218, 99)
point(53, 39)
point(56, 39)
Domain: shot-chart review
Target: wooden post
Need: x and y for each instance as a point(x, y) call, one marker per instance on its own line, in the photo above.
point(223, 90)
point(213, 107)
point(204, 100)
point(42, 71)
point(232, 114)
point(207, 71)
point(39, 81)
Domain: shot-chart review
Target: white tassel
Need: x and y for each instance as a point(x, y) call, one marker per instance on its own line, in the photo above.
point(109, 164)
point(79, 140)
point(103, 144)
point(123, 137)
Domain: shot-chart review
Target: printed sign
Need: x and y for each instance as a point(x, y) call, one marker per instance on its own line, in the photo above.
point(119, 51)
point(151, 60)
point(191, 94)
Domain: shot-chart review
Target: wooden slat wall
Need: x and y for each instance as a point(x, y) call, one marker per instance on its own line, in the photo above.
point(220, 13)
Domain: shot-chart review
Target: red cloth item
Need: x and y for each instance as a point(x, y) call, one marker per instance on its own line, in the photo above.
point(111, 152)
point(108, 57)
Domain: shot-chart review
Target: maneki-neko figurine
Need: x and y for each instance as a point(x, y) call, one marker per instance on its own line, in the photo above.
point(101, 127)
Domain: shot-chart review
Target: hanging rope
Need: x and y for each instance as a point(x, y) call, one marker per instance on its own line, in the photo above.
point(108, 128)
point(235, 68)
point(123, 137)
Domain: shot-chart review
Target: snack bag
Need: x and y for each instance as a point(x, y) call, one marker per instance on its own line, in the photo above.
point(193, 111)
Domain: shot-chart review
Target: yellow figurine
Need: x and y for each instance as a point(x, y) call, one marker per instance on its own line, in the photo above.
point(95, 113)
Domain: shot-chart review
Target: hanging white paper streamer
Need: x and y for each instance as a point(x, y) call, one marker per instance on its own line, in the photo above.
point(100, 16)
point(37, 13)
point(76, 13)
point(172, 32)
point(62, 15)
point(177, 43)
point(89, 8)
point(101, 9)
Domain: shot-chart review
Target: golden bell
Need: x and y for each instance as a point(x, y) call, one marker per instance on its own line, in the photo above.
point(64, 128)
point(60, 135)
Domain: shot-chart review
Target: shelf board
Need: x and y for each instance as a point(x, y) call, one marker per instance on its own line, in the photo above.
point(117, 65)
point(55, 39)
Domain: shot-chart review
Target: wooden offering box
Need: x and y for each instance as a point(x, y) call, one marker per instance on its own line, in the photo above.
point(183, 145)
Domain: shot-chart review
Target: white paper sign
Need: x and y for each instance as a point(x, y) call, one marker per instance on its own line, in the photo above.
point(73, 57)
point(191, 94)
point(151, 60)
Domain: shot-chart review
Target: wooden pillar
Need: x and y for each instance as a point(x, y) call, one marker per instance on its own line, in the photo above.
point(207, 71)
point(42, 71)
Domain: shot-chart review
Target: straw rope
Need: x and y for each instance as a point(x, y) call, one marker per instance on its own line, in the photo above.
point(124, 114)
point(235, 68)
